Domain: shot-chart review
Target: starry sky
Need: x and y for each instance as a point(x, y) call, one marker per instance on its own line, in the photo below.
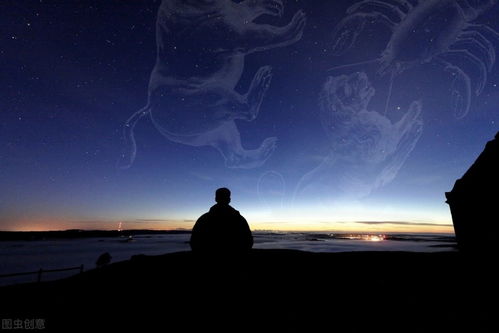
point(73, 72)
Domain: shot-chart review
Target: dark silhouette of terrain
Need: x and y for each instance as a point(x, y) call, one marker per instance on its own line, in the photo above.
point(276, 290)
point(223, 230)
point(474, 203)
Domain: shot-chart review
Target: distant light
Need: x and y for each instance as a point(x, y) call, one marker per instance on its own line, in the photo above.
point(362, 237)
point(373, 238)
point(376, 238)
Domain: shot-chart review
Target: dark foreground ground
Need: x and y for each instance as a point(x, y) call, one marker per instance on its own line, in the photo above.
point(271, 290)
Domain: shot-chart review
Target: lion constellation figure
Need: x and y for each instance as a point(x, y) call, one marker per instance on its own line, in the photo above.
point(367, 149)
point(201, 46)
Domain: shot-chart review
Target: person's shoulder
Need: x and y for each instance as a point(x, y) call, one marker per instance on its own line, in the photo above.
point(234, 211)
point(204, 217)
point(237, 214)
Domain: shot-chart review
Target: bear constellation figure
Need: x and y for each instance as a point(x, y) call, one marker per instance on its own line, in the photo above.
point(201, 48)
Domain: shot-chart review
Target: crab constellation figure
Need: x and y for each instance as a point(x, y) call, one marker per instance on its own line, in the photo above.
point(439, 31)
point(201, 48)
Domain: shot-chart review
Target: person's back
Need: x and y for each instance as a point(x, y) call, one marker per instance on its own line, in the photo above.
point(222, 229)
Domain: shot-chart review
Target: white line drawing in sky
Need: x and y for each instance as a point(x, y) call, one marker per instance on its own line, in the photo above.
point(271, 190)
point(440, 31)
point(201, 49)
point(366, 148)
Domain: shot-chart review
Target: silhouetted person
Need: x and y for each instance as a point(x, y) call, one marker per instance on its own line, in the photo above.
point(222, 230)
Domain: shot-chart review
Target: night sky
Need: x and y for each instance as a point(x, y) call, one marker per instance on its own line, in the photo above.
point(74, 72)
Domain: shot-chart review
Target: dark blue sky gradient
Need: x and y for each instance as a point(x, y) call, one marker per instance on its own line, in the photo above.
point(72, 72)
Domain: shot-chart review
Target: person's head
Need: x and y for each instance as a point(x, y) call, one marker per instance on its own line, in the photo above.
point(222, 196)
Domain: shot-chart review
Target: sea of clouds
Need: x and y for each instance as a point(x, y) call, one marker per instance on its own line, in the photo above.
point(30, 256)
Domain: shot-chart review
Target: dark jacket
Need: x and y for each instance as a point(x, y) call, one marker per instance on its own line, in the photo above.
point(221, 229)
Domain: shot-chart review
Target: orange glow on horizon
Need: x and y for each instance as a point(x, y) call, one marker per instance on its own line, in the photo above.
point(51, 224)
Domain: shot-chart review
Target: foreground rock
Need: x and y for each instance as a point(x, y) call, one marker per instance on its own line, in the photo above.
point(271, 290)
point(474, 203)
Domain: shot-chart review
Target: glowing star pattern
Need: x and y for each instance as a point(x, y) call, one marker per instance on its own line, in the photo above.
point(439, 31)
point(195, 103)
point(366, 149)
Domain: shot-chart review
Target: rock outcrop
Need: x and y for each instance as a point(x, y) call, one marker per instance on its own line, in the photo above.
point(474, 203)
